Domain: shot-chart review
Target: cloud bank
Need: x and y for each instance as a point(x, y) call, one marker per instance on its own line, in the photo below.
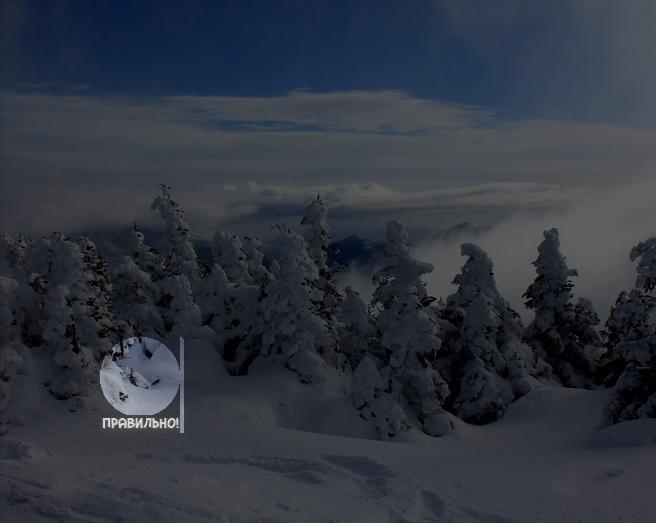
point(71, 159)
point(596, 234)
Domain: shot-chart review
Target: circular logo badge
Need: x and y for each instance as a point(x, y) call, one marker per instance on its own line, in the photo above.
point(140, 376)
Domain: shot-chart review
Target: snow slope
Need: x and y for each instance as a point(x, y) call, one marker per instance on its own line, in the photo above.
point(244, 458)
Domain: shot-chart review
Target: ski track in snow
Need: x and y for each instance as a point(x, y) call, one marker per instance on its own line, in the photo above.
point(543, 462)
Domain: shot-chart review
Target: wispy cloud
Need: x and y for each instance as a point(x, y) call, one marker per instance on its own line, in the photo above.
point(366, 151)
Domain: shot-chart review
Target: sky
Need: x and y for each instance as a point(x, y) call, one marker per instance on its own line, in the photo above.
point(432, 112)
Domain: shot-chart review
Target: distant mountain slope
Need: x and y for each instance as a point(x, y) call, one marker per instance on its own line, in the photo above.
point(351, 251)
point(461, 232)
point(356, 250)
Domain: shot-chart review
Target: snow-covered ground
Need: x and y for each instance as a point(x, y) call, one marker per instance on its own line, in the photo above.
point(267, 448)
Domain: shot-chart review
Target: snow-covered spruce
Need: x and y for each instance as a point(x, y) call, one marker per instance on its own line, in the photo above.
point(371, 396)
point(15, 254)
point(493, 365)
point(76, 363)
point(135, 298)
point(144, 256)
point(97, 306)
point(628, 320)
point(317, 237)
point(10, 344)
point(357, 333)
point(483, 394)
point(231, 298)
point(229, 254)
point(317, 232)
point(562, 333)
point(182, 271)
point(179, 309)
point(295, 334)
point(634, 394)
point(12, 255)
point(409, 332)
point(235, 317)
point(181, 258)
point(77, 282)
point(252, 248)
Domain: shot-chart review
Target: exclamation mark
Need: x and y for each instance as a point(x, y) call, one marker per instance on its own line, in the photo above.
point(181, 420)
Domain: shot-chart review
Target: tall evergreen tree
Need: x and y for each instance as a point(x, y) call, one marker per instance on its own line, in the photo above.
point(634, 394)
point(82, 273)
point(10, 345)
point(182, 271)
point(372, 397)
point(144, 256)
point(14, 264)
point(181, 258)
point(252, 248)
point(135, 297)
point(317, 237)
point(13, 251)
point(409, 332)
point(229, 254)
point(100, 330)
point(358, 334)
point(232, 295)
point(78, 368)
point(295, 334)
point(562, 333)
point(236, 318)
point(494, 366)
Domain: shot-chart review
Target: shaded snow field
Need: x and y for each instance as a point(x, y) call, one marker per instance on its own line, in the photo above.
point(268, 448)
point(143, 381)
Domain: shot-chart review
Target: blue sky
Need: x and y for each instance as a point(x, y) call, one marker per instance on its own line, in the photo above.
point(249, 107)
point(522, 58)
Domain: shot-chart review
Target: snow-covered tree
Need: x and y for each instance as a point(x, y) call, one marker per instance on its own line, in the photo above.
point(409, 332)
point(78, 368)
point(317, 237)
point(99, 329)
point(177, 305)
point(629, 320)
point(483, 394)
point(231, 298)
point(645, 254)
point(295, 334)
point(77, 322)
point(181, 258)
point(182, 271)
point(83, 275)
point(634, 328)
point(370, 396)
point(12, 255)
point(135, 298)
point(10, 344)
point(252, 248)
point(317, 232)
point(562, 333)
point(357, 334)
point(235, 317)
point(229, 254)
point(493, 365)
point(145, 257)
